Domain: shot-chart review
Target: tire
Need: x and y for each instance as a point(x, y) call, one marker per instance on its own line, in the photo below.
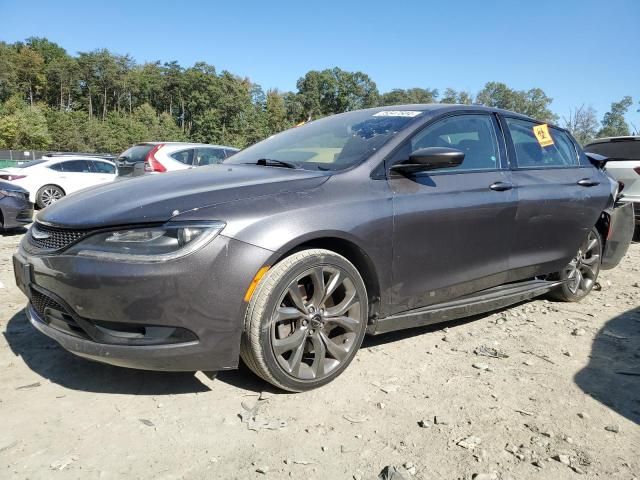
point(300, 341)
point(581, 274)
point(48, 194)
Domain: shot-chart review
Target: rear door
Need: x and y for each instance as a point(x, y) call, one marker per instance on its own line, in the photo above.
point(76, 175)
point(560, 198)
point(453, 227)
point(104, 171)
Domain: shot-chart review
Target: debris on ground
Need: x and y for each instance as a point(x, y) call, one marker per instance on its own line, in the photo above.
point(257, 422)
point(469, 443)
point(27, 387)
point(64, 462)
point(485, 351)
point(391, 473)
point(146, 422)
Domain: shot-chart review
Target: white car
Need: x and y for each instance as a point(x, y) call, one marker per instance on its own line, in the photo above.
point(159, 157)
point(623, 165)
point(51, 178)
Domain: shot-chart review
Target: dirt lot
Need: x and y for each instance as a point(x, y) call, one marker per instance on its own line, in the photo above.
point(565, 403)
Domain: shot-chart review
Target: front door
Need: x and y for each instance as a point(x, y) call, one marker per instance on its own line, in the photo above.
point(452, 228)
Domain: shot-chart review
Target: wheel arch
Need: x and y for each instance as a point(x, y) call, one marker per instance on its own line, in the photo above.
point(348, 249)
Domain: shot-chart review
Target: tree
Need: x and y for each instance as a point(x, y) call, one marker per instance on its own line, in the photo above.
point(276, 112)
point(613, 123)
point(334, 91)
point(582, 123)
point(452, 96)
point(30, 72)
point(533, 103)
point(23, 127)
point(398, 96)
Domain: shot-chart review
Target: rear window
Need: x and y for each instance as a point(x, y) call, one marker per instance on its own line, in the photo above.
point(616, 150)
point(137, 153)
point(30, 163)
point(558, 151)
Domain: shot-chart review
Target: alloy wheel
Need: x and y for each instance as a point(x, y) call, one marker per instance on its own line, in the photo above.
point(315, 324)
point(50, 195)
point(582, 270)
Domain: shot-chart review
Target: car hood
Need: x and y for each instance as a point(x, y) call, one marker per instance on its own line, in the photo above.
point(157, 198)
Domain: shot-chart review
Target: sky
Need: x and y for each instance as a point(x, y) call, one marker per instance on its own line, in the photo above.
point(579, 52)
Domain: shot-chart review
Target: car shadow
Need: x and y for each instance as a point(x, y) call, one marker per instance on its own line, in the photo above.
point(13, 232)
point(49, 360)
point(612, 375)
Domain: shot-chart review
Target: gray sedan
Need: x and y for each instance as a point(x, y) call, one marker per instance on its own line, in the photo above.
point(15, 208)
point(289, 252)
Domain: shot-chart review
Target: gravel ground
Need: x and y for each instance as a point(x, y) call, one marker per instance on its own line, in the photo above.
point(542, 390)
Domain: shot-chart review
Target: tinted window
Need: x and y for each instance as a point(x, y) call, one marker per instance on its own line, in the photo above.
point(617, 149)
point(137, 153)
point(529, 151)
point(103, 167)
point(228, 152)
point(209, 156)
point(472, 134)
point(56, 167)
point(75, 166)
point(30, 163)
point(184, 156)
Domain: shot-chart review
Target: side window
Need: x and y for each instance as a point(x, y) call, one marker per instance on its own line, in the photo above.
point(103, 167)
point(560, 152)
point(57, 167)
point(184, 156)
point(209, 156)
point(76, 166)
point(228, 152)
point(473, 134)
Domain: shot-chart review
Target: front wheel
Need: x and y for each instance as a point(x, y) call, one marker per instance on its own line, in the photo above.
point(47, 195)
point(580, 275)
point(305, 321)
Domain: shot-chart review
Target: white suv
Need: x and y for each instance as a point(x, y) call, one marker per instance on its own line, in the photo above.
point(158, 157)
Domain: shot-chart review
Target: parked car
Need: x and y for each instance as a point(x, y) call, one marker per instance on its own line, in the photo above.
point(294, 248)
point(15, 208)
point(51, 178)
point(159, 157)
point(623, 164)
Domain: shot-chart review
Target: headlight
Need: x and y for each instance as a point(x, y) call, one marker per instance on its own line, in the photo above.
point(150, 244)
point(12, 193)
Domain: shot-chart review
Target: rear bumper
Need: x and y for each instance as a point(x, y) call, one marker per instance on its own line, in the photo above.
point(91, 307)
point(621, 227)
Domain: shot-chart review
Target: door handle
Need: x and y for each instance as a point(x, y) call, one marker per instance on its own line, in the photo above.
point(501, 186)
point(588, 182)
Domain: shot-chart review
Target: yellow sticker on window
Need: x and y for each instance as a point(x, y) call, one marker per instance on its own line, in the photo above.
point(542, 134)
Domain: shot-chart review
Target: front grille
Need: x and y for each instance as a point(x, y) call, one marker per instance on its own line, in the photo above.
point(41, 302)
point(52, 238)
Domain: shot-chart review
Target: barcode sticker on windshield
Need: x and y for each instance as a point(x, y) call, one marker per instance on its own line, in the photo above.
point(397, 113)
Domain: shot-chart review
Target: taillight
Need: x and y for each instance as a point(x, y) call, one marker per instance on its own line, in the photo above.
point(12, 177)
point(151, 163)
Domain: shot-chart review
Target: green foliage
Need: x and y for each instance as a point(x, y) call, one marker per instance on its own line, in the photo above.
point(613, 123)
point(101, 101)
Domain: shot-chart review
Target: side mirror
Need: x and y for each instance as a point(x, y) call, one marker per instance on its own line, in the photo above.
point(431, 158)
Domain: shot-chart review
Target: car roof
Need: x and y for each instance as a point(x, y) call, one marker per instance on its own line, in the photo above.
point(626, 138)
point(437, 108)
point(188, 144)
point(64, 158)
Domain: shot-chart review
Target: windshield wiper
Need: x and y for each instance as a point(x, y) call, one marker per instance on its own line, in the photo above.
point(273, 162)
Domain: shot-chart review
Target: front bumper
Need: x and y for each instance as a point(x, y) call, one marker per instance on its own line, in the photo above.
point(16, 212)
point(201, 294)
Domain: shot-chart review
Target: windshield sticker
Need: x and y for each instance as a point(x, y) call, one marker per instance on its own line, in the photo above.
point(542, 134)
point(397, 113)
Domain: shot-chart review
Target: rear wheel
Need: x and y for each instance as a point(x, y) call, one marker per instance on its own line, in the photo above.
point(47, 195)
point(580, 275)
point(306, 320)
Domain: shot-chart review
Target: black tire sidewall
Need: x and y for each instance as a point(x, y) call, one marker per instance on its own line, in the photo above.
point(274, 368)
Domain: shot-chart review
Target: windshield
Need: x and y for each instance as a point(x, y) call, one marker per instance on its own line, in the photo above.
point(332, 143)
